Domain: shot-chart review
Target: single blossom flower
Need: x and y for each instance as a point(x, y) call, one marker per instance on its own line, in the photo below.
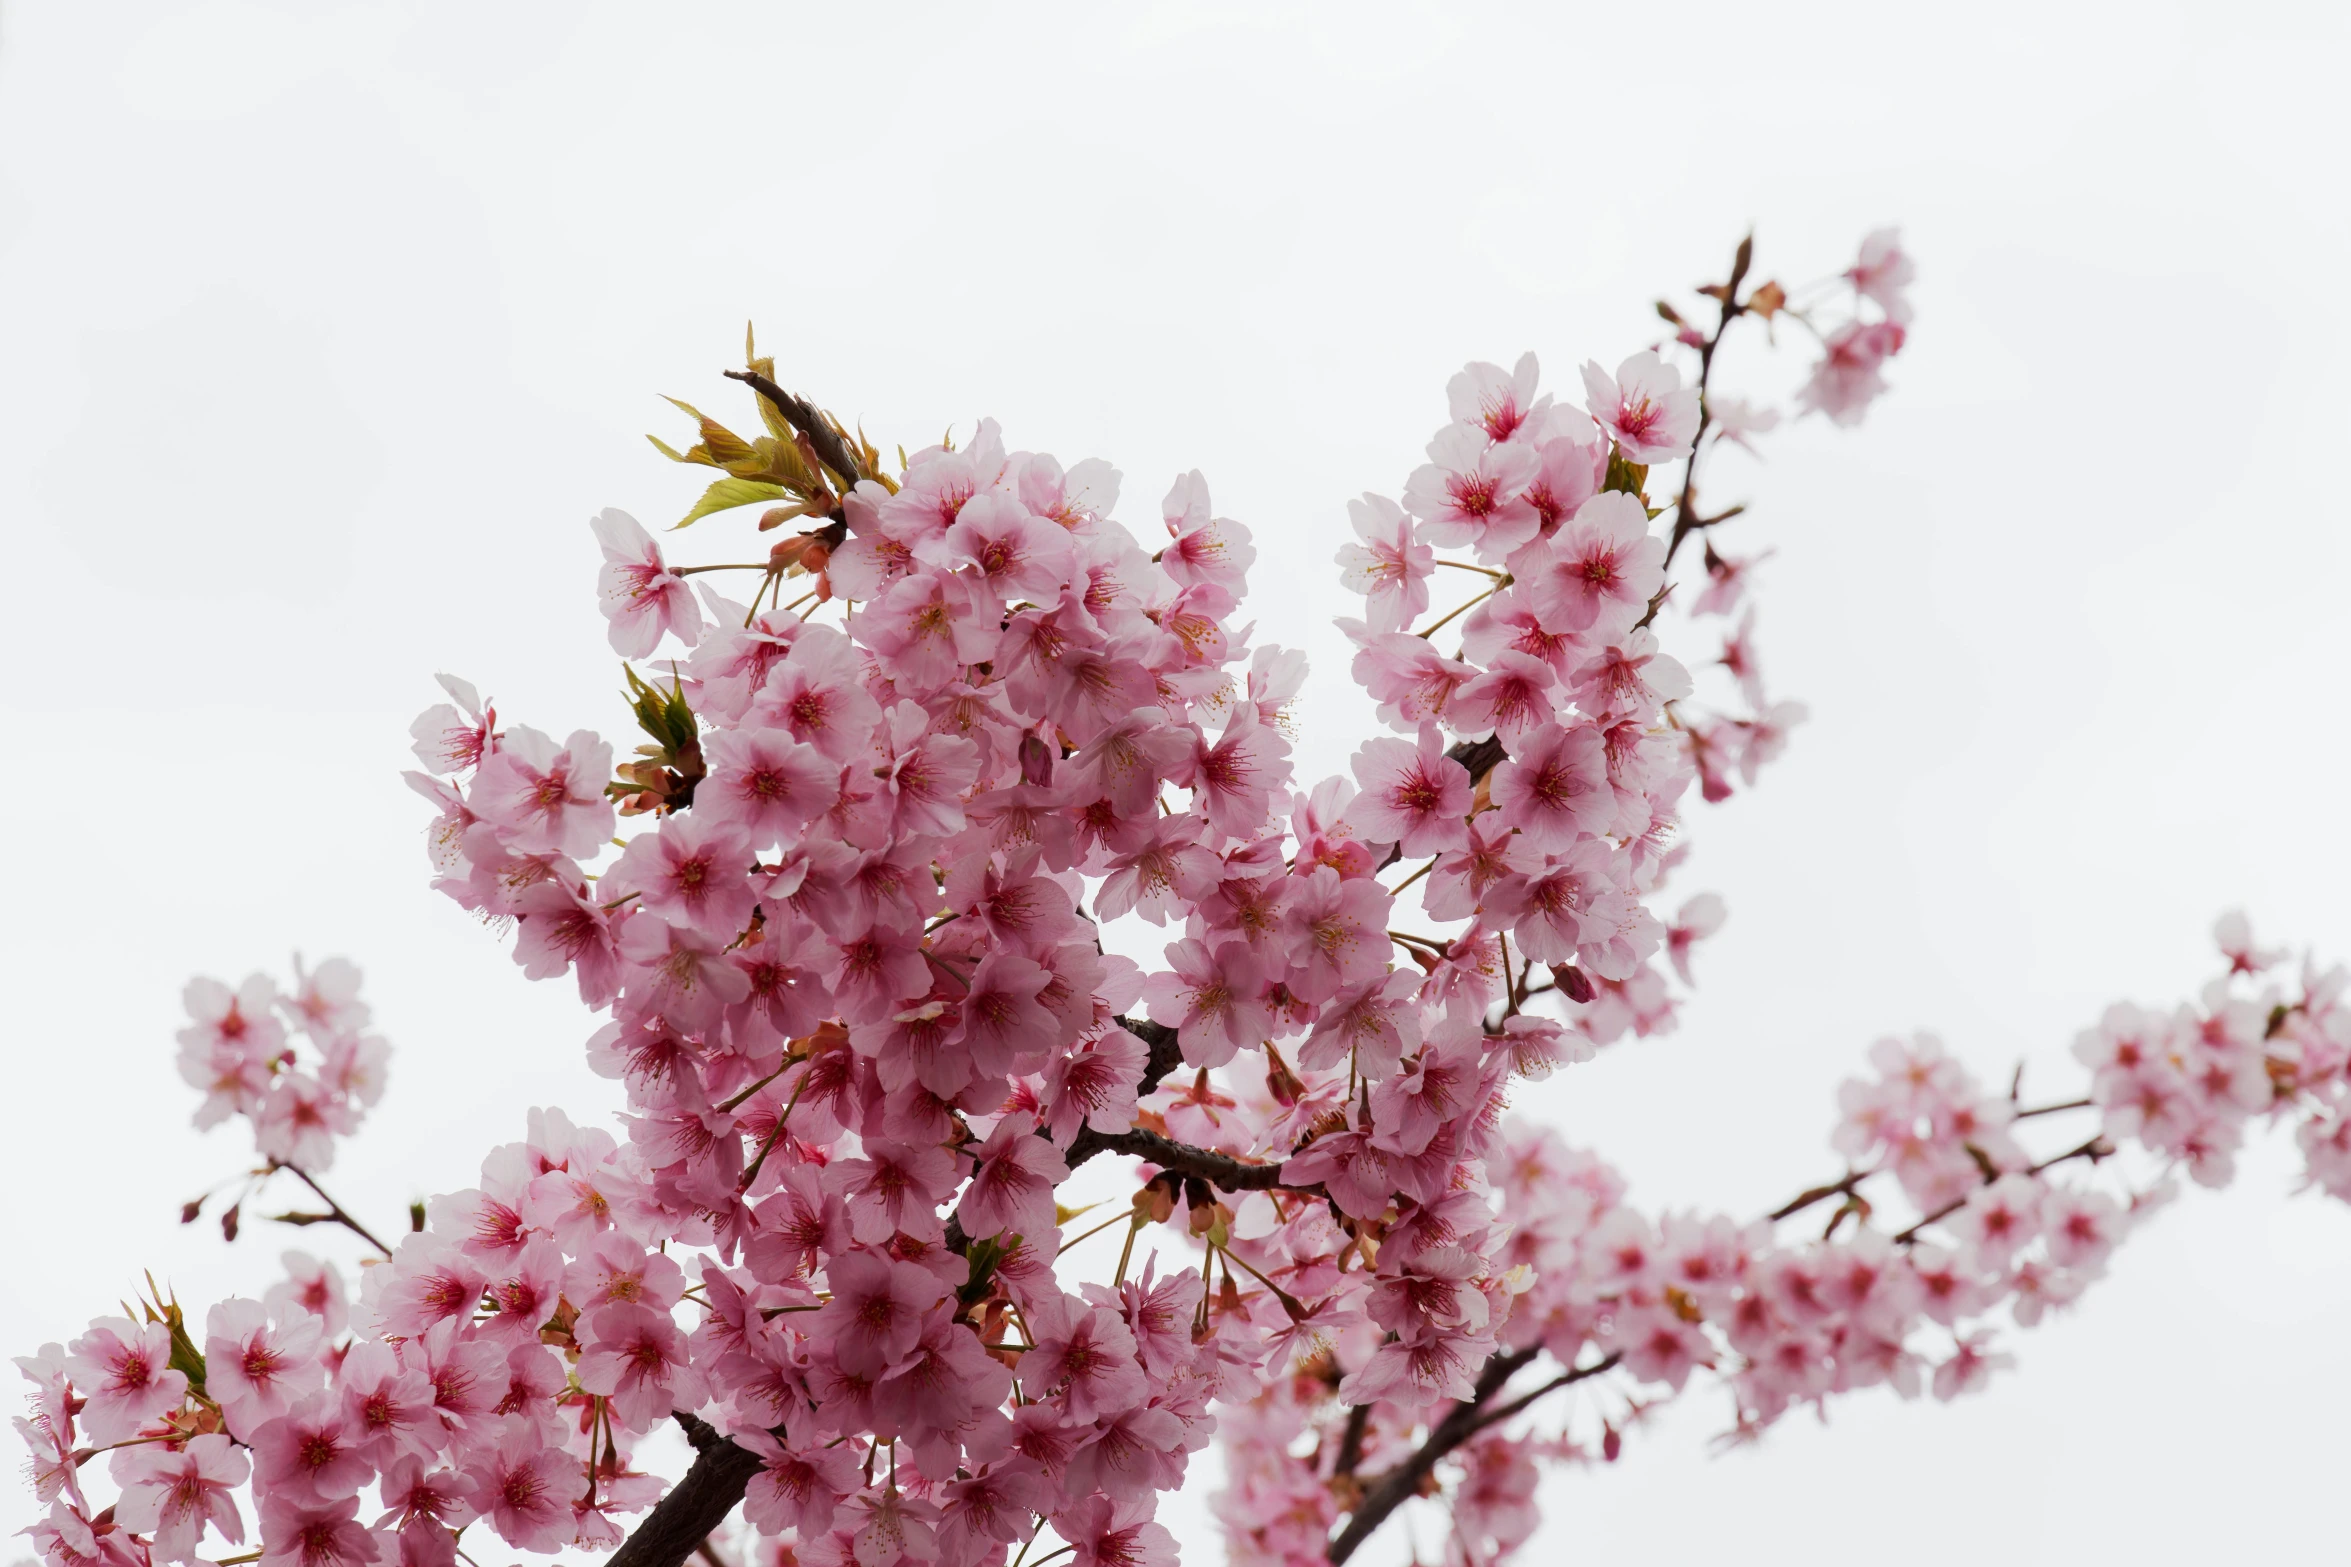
point(1390, 567)
point(639, 594)
point(1644, 408)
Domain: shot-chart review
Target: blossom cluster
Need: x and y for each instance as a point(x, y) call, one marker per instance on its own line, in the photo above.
point(239, 1048)
point(1637, 1304)
point(854, 981)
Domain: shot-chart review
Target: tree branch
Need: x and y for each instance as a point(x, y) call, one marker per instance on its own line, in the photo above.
point(801, 415)
point(696, 1505)
point(1166, 1054)
point(1806, 1198)
point(1351, 1440)
point(1480, 757)
point(1685, 516)
point(1217, 1169)
point(1398, 1485)
point(2094, 1150)
point(1494, 1417)
point(335, 1209)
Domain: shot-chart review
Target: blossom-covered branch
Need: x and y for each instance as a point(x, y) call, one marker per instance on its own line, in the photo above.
point(858, 969)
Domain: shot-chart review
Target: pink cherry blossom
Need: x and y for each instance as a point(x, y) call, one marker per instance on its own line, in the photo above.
point(637, 591)
point(312, 1287)
point(175, 1495)
point(123, 1371)
point(1513, 696)
point(1017, 554)
point(1555, 789)
point(690, 871)
point(1596, 575)
point(1203, 550)
point(544, 798)
point(1644, 407)
point(634, 1356)
point(312, 1452)
point(256, 1370)
point(1847, 379)
point(1883, 272)
point(1500, 403)
point(1472, 493)
point(1414, 795)
point(454, 739)
point(765, 784)
point(1214, 999)
point(1390, 567)
point(875, 1316)
point(1011, 1191)
point(1116, 1534)
point(1087, 1355)
point(300, 1533)
point(523, 1491)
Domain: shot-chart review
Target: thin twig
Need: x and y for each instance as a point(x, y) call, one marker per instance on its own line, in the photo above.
point(1429, 631)
point(2070, 1104)
point(335, 1210)
point(1685, 520)
point(801, 415)
point(2093, 1150)
point(1398, 1485)
point(1822, 1193)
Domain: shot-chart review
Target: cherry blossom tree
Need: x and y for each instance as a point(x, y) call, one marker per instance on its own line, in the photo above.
point(855, 974)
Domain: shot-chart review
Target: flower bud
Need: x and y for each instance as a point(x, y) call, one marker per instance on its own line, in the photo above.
point(1036, 761)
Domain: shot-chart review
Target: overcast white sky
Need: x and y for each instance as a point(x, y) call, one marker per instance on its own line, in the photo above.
point(323, 329)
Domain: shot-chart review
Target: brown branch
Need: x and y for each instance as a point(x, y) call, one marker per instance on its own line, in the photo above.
point(1351, 1440)
point(1685, 515)
point(1166, 1054)
point(696, 1505)
point(1494, 1417)
point(1480, 757)
point(2068, 1104)
point(801, 415)
point(1806, 1198)
point(1217, 1169)
point(334, 1208)
point(1393, 1488)
point(2094, 1150)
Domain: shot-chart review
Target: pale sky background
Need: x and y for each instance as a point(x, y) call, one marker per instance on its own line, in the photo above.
point(324, 328)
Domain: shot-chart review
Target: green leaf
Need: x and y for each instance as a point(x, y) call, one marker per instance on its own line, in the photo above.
point(983, 1257)
point(663, 715)
point(1624, 476)
point(725, 494)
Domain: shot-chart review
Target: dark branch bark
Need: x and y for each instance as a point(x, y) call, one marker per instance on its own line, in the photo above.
point(335, 1210)
point(1351, 1440)
point(1217, 1169)
point(1805, 1199)
point(1400, 1484)
point(1480, 757)
point(1393, 1488)
point(695, 1506)
point(801, 415)
point(1166, 1055)
point(2095, 1149)
point(1685, 515)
